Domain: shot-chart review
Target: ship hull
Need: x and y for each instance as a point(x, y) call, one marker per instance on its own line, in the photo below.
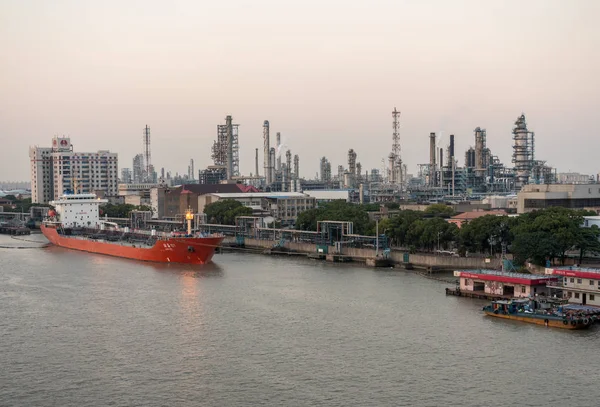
point(539, 320)
point(186, 250)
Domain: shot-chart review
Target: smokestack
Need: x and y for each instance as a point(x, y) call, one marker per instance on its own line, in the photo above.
point(361, 193)
point(267, 153)
point(452, 146)
point(256, 163)
point(288, 169)
point(441, 167)
point(432, 159)
point(272, 165)
point(278, 146)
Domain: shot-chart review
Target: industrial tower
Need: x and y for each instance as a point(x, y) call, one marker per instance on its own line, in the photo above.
point(396, 167)
point(267, 153)
point(147, 154)
point(225, 150)
point(524, 149)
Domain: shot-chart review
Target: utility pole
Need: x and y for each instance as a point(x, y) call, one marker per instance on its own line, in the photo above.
point(377, 237)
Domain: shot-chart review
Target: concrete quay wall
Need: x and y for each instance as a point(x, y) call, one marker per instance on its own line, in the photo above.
point(428, 261)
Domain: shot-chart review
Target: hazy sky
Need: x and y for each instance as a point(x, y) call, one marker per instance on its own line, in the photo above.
point(326, 74)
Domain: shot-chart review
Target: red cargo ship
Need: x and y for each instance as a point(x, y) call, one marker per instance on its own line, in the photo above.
point(76, 225)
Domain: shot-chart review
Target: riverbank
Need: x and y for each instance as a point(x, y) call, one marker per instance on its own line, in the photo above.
point(371, 257)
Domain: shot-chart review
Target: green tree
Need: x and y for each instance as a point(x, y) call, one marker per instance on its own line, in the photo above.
point(398, 227)
point(431, 234)
point(440, 210)
point(486, 234)
point(548, 234)
point(307, 220)
point(337, 211)
point(588, 241)
point(224, 211)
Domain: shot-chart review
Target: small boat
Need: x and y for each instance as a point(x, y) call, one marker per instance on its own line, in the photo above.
point(541, 312)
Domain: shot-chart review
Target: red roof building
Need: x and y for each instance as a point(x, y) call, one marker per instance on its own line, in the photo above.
point(464, 217)
point(502, 283)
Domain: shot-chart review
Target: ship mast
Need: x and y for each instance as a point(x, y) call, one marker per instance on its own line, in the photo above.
point(188, 217)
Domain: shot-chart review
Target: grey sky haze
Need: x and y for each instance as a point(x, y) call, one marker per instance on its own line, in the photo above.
point(326, 74)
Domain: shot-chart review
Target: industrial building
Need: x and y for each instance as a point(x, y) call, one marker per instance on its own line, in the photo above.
point(574, 196)
point(574, 178)
point(324, 196)
point(179, 199)
point(465, 217)
point(279, 176)
point(126, 176)
point(58, 170)
point(578, 285)
point(501, 283)
point(282, 206)
point(137, 194)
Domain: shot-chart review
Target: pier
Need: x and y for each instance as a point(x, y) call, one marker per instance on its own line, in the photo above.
point(480, 295)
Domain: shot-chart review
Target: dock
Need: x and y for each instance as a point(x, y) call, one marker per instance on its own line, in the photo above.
point(473, 294)
point(14, 230)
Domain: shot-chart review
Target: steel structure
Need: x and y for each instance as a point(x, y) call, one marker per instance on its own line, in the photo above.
point(267, 153)
point(480, 146)
point(287, 171)
point(278, 147)
point(256, 163)
point(524, 150)
point(225, 150)
point(272, 174)
point(296, 167)
point(351, 169)
point(147, 153)
point(396, 160)
point(432, 180)
point(325, 170)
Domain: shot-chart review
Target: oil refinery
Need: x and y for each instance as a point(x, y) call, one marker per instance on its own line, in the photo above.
point(441, 178)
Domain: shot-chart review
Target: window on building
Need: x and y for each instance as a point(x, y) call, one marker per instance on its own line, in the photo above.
point(569, 294)
point(523, 289)
point(579, 281)
point(592, 297)
point(592, 282)
point(576, 295)
point(572, 280)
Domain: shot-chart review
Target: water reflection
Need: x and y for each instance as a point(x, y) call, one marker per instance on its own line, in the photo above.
point(189, 270)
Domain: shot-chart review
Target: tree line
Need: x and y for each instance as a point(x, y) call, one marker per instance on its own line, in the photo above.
point(546, 234)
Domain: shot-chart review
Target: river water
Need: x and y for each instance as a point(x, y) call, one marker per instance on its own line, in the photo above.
point(79, 329)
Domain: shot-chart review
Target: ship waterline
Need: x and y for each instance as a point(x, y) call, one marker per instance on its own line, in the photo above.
point(191, 250)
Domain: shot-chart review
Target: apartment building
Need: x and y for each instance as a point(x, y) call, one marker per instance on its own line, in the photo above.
point(58, 170)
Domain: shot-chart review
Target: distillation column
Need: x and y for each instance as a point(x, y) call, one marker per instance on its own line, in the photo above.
point(267, 153)
point(432, 154)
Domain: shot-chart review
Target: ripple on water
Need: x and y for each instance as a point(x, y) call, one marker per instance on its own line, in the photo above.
point(79, 329)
